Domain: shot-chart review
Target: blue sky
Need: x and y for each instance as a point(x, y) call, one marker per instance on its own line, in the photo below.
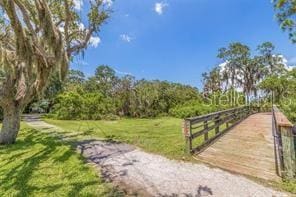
point(178, 40)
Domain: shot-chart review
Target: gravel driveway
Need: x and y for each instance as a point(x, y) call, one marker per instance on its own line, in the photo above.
point(147, 174)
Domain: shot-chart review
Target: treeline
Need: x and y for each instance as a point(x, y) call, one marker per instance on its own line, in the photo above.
point(283, 88)
point(243, 78)
point(260, 77)
point(243, 71)
point(108, 96)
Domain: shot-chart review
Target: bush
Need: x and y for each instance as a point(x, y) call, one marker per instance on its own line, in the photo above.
point(191, 109)
point(68, 106)
point(86, 106)
point(96, 106)
point(289, 108)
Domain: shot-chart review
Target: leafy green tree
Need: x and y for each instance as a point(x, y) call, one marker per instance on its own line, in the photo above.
point(75, 77)
point(106, 95)
point(273, 64)
point(285, 13)
point(38, 38)
point(236, 56)
point(288, 99)
point(242, 71)
point(175, 94)
point(106, 79)
point(54, 88)
point(91, 85)
point(124, 94)
point(75, 81)
point(275, 85)
point(212, 81)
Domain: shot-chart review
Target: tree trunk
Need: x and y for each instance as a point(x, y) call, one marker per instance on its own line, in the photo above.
point(10, 124)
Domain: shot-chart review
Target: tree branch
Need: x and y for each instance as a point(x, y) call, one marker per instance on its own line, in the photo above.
point(26, 18)
point(16, 25)
point(83, 44)
point(67, 17)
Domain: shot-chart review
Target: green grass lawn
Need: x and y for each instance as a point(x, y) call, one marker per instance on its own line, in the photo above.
point(39, 165)
point(161, 135)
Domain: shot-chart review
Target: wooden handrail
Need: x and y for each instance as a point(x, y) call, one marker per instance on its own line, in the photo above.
point(281, 119)
point(213, 114)
point(216, 124)
point(284, 144)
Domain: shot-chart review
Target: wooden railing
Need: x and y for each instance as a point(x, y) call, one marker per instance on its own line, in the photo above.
point(201, 131)
point(284, 144)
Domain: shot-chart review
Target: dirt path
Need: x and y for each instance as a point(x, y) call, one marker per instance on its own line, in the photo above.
point(153, 175)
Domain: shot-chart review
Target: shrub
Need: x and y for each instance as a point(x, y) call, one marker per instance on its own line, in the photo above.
point(68, 106)
point(96, 106)
point(193, 108)
point(86, 106)
point(289, 108)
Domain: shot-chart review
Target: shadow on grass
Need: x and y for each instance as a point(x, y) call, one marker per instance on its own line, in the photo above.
point(39, 164)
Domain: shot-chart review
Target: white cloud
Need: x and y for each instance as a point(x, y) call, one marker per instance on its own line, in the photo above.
point(159, 7)
point(94, 41)
point(121, 72)
point(288, 64)
point(126, 38)
point(223, 65)
point(81, 26)
point(107, 2)
point(78, 4)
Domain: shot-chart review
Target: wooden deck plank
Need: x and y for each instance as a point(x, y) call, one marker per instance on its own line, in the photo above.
point(242, 154)
point(246, 149)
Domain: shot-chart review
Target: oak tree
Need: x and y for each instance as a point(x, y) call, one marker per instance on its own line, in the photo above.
point(39, 38)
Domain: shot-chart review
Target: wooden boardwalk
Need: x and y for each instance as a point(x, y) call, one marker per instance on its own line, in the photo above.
point(246, 149)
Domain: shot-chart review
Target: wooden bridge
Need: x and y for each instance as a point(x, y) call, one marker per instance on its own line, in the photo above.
point(244, 140)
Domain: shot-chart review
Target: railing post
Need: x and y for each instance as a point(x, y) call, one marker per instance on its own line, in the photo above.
point(288, 146)
point(217, 129)
point(186, 129)
point(235, 116)
point(206, 136)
